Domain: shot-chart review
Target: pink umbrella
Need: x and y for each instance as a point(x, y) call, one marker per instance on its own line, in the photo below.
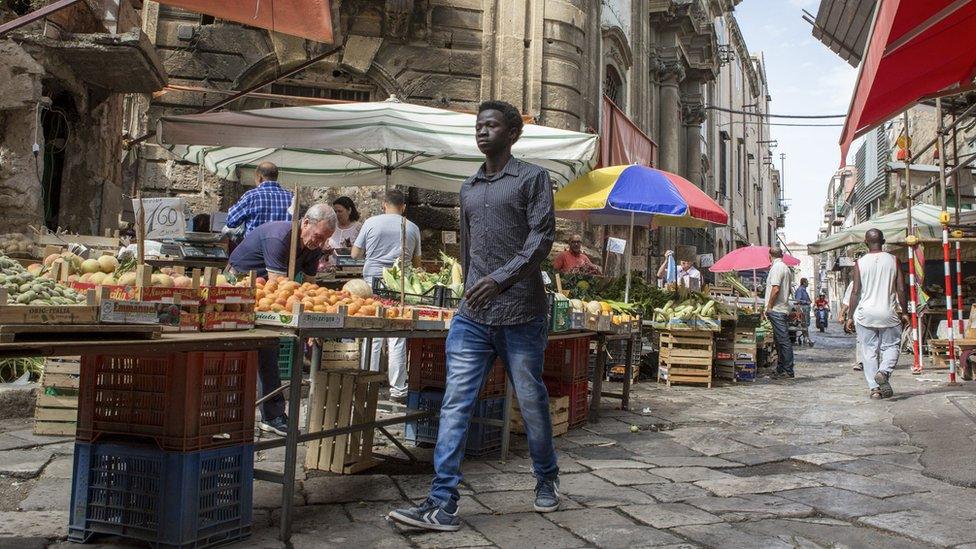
point(749, 258)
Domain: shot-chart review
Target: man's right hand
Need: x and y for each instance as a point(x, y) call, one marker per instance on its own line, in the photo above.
point(850, 326)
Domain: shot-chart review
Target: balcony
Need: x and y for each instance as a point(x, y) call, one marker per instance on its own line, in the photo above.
point(838, 221)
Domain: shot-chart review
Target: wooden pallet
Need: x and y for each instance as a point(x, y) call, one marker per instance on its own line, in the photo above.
point(10, 333)
point(558, 412)
point(341, 355)
point(686, 358)
point(342, 399)
point(57, 413)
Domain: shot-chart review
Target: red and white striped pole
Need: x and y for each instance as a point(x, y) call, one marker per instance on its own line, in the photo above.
point(959, 311)
point(913, 305)
point(912, 241)
point(948, 297)
point(944, 220)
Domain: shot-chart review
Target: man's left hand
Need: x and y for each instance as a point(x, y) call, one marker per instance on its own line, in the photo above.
point(482, 293)
point(905, 320)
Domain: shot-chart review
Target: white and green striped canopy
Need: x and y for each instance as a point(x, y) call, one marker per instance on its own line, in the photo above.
point(358, 144)
point(925, 217)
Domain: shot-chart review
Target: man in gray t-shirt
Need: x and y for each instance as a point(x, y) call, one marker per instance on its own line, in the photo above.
point(380, 239)
point(380, 242)
point(777, 308)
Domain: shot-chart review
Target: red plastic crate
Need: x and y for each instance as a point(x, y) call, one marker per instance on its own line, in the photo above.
point(567, 359)
point(427, 368)
point(577, 393)
point(182, 401)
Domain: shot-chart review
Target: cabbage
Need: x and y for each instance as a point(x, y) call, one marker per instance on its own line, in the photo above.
point(358, 287)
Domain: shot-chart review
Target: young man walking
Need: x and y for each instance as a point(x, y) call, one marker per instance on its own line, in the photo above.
point(879, 288)
point(777, 310)
point(507, 229)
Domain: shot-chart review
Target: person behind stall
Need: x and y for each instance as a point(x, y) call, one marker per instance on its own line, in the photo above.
point(266, 203)
point(687, 275)
point(266, 251)
point(507, 228)
point(346, 232)
point(573, 260)
point(380, 244)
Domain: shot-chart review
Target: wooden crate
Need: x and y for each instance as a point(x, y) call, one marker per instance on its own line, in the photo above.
point(56, 410)
point(558, 411)
point(686, 357)
point(341, 355)
point(342, 399)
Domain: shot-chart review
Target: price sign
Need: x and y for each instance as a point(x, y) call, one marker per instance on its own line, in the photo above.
point(706, 260)
point(164, 217)
point(449, 237)
point(616, 245)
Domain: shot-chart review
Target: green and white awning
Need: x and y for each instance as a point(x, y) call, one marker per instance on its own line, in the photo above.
point(925, 217)
point(358, 144)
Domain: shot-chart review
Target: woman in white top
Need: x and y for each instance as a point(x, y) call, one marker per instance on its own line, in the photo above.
point(348, 228)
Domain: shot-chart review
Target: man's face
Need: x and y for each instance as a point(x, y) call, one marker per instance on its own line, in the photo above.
point(492, 133)
point(685, 265)
point(576, 245)
point(315, 235)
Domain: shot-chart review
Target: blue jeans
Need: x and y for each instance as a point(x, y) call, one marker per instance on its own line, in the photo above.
point(471, 351)
point(781, 334)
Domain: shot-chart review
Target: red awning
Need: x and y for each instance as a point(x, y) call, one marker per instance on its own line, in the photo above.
point(309, 19)
point(917, 48)
point(621, 141)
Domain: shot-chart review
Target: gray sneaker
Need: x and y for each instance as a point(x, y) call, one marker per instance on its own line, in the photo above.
point(429, 515)
point(546, 495)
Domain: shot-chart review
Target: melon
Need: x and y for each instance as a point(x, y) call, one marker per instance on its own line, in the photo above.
point(108, 263)
point(96, 278)
point(49, 260)
point(182, 282)
point(127, 279)
point(90, 266)
point(109, 280)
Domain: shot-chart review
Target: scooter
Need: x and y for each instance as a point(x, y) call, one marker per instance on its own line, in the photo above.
point(822, 314)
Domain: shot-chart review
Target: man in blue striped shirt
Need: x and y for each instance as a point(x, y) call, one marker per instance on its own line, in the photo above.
point(268, 202)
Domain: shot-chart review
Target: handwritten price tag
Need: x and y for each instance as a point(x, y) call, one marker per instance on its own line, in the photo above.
point(164, 217)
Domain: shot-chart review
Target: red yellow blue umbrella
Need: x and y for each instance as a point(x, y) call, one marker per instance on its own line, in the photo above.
point(637, 195)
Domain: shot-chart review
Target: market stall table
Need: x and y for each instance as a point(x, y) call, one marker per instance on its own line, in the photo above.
point(294, 436)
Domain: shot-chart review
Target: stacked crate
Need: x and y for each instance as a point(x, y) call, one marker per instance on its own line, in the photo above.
point(686, 357)
point(164, 448)
point(56, 409)
point(565, 373)
point(426, 380)
point(735, 354)
point(343, 398)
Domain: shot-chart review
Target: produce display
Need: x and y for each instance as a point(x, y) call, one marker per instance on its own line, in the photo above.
point(282, 295)
point(26, 288)
point(739, 287)
point(418, 282)
point(695, 307)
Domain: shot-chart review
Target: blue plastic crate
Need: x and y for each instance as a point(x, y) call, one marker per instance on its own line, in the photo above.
point(167, 499)
point(482, 439)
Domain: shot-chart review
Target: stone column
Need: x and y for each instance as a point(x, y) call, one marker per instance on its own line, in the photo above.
point(670, 154)
point(692, 117)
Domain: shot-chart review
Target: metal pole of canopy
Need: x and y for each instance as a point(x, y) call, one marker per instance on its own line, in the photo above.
point(629, 251)
point(944, 219)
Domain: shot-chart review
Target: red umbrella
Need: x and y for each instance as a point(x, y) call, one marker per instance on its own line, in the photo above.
point(749, 258)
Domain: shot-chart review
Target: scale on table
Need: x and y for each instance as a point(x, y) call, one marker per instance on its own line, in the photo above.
point(195, 246)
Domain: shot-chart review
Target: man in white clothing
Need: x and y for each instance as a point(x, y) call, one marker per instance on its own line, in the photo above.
point(879, 288)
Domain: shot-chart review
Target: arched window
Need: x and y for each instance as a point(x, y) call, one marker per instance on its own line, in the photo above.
point(613, 86)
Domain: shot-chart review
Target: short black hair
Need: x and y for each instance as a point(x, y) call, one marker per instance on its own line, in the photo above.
point(201, 223)
point(267, 171)
point(348, 204)
point(395, 197)
point(513, 119)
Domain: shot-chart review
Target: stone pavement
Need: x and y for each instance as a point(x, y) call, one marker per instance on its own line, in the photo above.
point(810, 462)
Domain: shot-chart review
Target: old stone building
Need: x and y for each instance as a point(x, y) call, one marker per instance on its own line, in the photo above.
point(654, 64)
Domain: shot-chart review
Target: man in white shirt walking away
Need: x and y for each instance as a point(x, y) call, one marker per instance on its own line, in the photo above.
point(879, 289)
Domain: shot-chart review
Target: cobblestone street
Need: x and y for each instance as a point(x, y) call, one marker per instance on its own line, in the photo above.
point(810, 462)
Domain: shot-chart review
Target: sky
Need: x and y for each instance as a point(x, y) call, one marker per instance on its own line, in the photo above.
point(804, 77)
